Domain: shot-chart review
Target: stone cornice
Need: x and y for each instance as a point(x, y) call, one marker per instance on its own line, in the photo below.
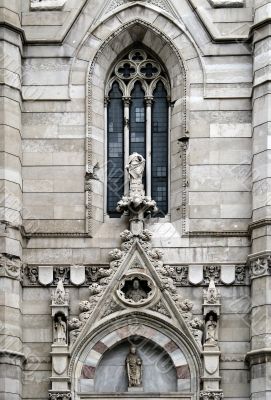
point(259, 356)
point(259, 224)
point(260, 25)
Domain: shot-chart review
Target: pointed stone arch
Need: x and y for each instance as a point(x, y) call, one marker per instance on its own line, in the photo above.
point(97, 53)
point(185, 358)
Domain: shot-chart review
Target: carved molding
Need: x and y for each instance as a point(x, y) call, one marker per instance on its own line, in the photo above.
point(60, 395)
point(211, 395)
point(10, 266)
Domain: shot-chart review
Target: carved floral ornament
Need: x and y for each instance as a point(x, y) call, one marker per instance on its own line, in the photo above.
point(260, 266)
point(10, 266)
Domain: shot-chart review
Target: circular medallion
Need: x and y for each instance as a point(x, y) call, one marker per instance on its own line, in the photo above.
point(136, 290)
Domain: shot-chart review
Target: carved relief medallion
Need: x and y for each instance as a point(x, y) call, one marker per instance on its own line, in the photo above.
point(136, 290)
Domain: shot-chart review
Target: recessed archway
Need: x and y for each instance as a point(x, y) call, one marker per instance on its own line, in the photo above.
point(152, 335)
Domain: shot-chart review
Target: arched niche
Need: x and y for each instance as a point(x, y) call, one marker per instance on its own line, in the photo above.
point(158, 371)
point(110, 345)
point(149, 37)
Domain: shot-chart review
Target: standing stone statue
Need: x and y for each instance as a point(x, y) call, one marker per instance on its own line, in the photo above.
point(136, 293)
point(211, 331)
point(135, 167)
point(60, 331)
point(134, 368)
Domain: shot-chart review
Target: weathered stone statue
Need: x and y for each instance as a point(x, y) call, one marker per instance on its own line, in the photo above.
point(60, 330)
point(211, 331)
point(136, 293)
point(135, 167)
point(134, 368)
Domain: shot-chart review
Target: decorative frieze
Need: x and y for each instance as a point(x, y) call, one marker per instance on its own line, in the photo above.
point(211, 395)
point(60, 396)
point(180, 274)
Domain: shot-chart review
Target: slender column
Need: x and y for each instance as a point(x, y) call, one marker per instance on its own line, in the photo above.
point(106, 100)
point(149, 101)
point(11, 357)
point(260, 262)
point(127, 101)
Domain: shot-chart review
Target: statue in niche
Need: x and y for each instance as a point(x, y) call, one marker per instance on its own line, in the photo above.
point(211, 331)
point(136, 293)
point(135, 167)
point(134, 368)
point(60, 330)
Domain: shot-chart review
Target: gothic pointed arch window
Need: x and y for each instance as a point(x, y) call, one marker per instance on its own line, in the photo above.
point(137, 103)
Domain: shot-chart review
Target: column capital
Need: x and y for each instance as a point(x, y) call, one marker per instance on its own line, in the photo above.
point(126, 100)
point(148, 100)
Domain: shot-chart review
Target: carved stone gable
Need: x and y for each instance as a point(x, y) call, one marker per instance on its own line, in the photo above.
point(137, 281)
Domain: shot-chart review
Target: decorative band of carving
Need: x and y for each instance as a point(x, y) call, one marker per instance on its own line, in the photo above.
point(211, 395)
point(178, 273)
point(60, 395)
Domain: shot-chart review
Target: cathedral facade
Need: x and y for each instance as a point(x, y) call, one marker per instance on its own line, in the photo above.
point(135, 199)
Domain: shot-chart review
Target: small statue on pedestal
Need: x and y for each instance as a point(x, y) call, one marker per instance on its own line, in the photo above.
point(134, 368)
point(211, 331)
point(60, 330)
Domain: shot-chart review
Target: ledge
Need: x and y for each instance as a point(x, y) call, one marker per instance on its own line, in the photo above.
point(45, 5)
point(262, 356)
point(227, 3)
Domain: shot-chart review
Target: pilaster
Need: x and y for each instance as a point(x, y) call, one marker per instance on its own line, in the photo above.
point(259, 261)
point(11, 350)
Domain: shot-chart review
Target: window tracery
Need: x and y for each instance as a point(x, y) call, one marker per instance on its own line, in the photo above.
point(137, 99)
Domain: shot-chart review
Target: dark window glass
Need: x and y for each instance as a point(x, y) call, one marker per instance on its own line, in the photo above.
point(137, 121)
point(160, 148)
point(115, 157)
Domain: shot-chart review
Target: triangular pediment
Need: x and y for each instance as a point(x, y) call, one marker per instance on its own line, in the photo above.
point(137, 281)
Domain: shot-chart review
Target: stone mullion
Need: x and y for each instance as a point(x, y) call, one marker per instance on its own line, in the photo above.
point(149, 101)
point(11, 349)
point(127, 102)
point(259, 355)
